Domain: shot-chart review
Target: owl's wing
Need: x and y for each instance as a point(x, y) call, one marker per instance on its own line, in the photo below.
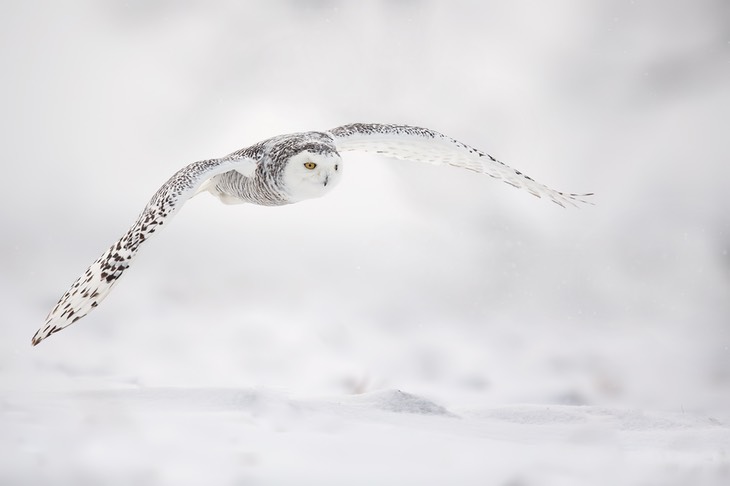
point(425, 145)
point(97, 281)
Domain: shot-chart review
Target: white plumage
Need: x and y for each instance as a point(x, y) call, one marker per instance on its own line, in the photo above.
point(281, 170)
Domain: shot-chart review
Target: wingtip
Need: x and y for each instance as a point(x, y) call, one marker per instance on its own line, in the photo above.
point(579, 197)
point(40, 335)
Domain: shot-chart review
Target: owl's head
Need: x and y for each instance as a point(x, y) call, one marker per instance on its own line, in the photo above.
point(311, 174)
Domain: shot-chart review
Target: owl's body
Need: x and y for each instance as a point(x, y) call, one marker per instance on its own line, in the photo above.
point(281, 170)
point(275, 181)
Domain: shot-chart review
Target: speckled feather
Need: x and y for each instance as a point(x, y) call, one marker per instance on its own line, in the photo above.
point(97, 281)
point(256, 175)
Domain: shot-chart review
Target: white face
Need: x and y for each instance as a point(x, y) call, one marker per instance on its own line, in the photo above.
point(309, 175)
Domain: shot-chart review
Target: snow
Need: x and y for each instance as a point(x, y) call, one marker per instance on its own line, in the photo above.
point(419, 325)
point(251, 436)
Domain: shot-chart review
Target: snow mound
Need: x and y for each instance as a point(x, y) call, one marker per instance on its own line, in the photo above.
point(400, 402)
point(259, 401)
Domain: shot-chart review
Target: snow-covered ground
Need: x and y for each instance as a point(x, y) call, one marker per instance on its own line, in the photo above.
point(420, 325)
point(253, 436)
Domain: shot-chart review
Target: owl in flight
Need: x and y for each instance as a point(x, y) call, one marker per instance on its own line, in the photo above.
point(281, 170)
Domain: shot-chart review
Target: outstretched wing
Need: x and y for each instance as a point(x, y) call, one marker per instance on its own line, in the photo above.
point(97, 281)
point(425, 145)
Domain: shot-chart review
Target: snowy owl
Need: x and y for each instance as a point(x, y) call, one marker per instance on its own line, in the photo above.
point(281, 170)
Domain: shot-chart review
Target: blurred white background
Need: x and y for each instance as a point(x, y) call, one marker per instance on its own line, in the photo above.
point(427, 279)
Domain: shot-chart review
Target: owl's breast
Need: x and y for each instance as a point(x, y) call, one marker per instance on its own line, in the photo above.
point(262, 189)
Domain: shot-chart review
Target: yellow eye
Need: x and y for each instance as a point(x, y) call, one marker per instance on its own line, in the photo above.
point(310, 165)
